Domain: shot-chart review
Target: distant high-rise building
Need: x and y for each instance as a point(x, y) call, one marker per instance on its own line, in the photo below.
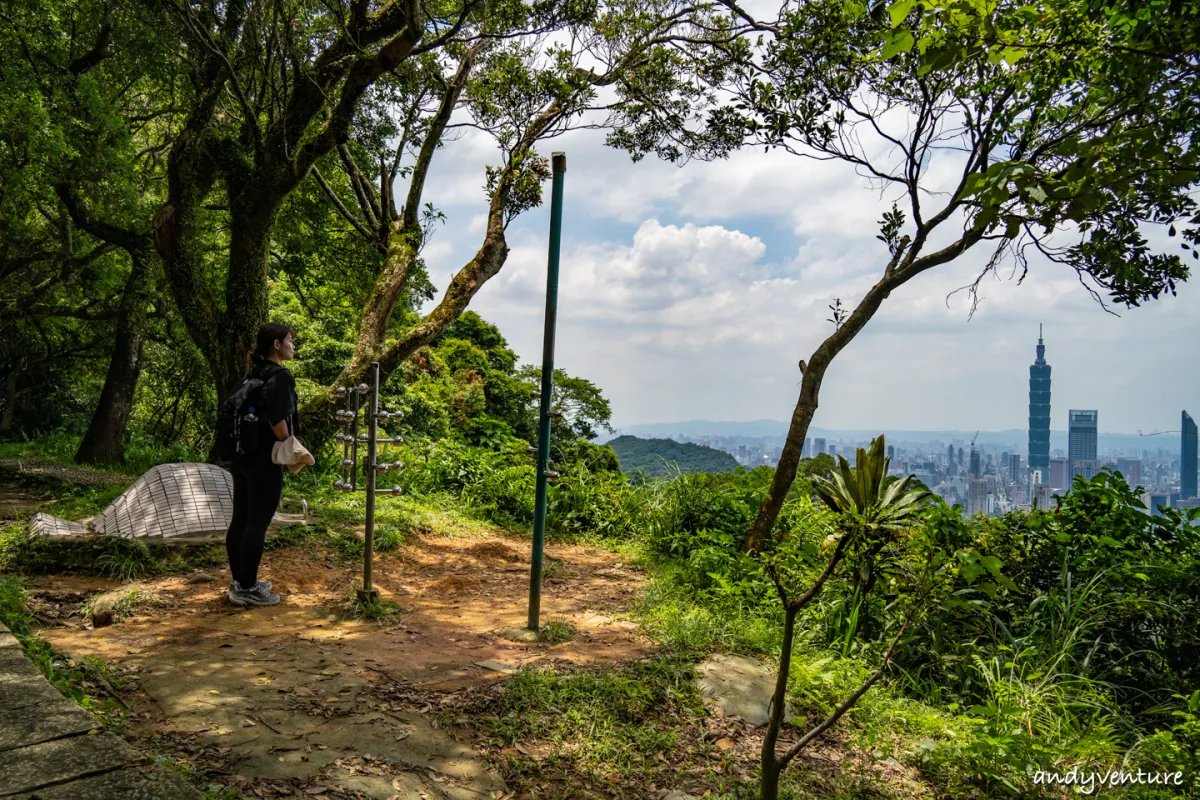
point(960, 456)
point(891, 451)
point(1156, 499)
point(1131, 469)
point(1058, 473)
point(741, 454)
point(1039, 410)
point(1014, 467)
point(818, 446)
point(833, 449)
point(1081, 441)
point(950, 454)
point(1187, 461)
point(975, 470)
point(1087, 468)
point(976, 497)
point(807, 452)
point(1043, 497)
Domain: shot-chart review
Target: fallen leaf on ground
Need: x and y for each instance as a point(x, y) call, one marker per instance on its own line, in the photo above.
point(726, 744)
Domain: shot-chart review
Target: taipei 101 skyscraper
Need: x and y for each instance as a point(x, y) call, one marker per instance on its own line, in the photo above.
point(1039, 412)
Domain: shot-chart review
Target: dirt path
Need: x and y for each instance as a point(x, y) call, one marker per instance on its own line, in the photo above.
point(294, 698)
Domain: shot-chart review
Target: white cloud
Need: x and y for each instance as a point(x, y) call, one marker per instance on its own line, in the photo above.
point(692, 293)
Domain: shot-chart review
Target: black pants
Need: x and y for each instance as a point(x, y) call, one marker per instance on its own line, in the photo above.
point(257, 488)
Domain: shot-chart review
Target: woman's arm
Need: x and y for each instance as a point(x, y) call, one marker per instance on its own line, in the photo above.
point(281, 430)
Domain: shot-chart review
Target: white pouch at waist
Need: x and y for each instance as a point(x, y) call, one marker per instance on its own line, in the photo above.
point(291, 454)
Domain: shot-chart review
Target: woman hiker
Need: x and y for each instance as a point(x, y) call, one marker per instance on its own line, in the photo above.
point(257, 480)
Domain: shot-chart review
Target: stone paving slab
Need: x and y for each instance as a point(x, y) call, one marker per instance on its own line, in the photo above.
point(132, 783)
point(48, 753)
point(28, 692)
point(35, 724)
point(15, 666)
point(29, 768)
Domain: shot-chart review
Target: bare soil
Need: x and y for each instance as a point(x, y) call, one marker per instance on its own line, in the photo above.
point(297, 697)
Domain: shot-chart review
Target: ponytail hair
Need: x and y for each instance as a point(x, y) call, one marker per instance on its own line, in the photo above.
point(267, 336)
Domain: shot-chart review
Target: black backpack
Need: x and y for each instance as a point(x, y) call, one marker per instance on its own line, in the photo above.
point(238, 429)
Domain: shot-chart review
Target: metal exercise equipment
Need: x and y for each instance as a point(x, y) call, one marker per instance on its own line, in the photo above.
point(544, 412)
point(355, 396)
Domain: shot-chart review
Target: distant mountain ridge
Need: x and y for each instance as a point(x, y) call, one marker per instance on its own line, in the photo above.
point(654, 457)
point(1015, 438)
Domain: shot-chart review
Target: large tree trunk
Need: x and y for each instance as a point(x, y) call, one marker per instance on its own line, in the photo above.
point(175, 228)
point(247, 298)
point(10, 395)
point(104, 442)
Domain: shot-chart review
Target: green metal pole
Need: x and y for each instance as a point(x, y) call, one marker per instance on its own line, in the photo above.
point(543, 445)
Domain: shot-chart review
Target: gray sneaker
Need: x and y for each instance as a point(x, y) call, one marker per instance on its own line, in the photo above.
point(234, 594)
point(235, 587)
point(256, 596)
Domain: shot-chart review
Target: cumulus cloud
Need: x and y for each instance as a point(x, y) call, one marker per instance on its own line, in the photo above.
point(692, 293)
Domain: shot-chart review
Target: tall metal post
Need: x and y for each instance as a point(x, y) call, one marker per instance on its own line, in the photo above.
point(543, 445)
point(368, 592)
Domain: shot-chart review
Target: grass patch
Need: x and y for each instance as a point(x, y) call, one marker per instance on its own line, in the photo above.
point(603, 726)
point(108, 556)
point(377, 610)
point(129, 601)
point(556, 631)
point(140, 453)
point(670, 615)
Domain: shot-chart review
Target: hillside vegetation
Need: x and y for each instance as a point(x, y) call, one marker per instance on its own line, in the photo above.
point(659, 458)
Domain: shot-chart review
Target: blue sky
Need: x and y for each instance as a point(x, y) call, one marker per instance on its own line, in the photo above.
point(691, 293)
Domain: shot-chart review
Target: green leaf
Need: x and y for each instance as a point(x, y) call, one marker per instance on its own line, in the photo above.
point(1012, 54)
point(900, 10)
point(897, 42)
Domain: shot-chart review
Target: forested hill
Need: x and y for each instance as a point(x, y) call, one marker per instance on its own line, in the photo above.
point(652, 457)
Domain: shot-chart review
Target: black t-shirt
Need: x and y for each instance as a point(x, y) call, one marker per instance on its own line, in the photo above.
point(275, 403)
